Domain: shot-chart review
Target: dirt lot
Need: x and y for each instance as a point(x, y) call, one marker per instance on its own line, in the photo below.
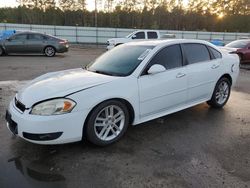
point(197, 147)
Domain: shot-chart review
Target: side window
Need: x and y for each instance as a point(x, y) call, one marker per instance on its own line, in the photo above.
point(152, 35)
point(139, 35)
point(170, 57)
point(216, 54)
point(19, 37)
point(35, 37)
point(196, 53)
point(45, 37)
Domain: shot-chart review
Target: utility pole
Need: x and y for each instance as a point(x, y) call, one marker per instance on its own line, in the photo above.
point(95, 13)
point(96, 29)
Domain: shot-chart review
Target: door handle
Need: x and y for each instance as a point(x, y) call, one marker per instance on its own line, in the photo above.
point(180, 75)
point(215, 66)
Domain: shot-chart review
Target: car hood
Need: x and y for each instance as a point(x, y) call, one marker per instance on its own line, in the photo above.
point(60, 84)
point(119, 40)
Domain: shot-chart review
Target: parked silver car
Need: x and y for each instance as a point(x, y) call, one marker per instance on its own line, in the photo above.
point(33, 42)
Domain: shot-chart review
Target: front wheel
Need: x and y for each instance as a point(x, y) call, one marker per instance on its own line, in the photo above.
point(1, 51)
point(49, 51)
point(107, 123)
point(221, 93)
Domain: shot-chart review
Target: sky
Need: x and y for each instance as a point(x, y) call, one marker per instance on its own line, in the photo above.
point(13, 3)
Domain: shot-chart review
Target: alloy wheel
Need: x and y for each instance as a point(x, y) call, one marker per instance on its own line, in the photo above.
point(109, 123)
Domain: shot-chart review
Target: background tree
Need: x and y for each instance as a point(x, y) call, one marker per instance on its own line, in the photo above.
point(210, 15)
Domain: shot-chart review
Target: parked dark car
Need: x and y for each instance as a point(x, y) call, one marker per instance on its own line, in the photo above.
point(33, 42)
point(242, 48)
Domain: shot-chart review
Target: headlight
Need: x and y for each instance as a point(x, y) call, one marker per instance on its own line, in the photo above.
point(53, 107)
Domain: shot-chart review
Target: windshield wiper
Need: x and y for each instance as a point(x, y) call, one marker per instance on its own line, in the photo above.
point(101, 72)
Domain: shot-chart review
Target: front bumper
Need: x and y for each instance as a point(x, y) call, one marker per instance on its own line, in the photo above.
point(55, 129)
point(62, 48)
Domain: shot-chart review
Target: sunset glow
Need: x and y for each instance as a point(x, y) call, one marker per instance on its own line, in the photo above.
point(221, 16)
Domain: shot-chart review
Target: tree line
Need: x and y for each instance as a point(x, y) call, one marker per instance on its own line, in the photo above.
point(207, 15)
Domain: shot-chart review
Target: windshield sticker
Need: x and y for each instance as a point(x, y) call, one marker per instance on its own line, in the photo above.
point(144, 54)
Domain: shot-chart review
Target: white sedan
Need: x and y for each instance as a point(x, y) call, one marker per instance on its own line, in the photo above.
point(131, 84)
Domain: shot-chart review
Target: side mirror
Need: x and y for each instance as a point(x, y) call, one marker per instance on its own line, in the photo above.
point(156, 68)
point(133, 37)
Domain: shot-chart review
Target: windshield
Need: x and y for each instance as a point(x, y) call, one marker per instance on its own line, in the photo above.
point(129, 36)
point(121, 61)
point(238, 44)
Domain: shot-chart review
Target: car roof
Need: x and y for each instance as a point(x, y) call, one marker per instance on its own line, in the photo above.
point(28, 32)
point(244, 40)
point(167, 42)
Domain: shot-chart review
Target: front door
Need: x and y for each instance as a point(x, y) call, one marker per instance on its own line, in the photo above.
point(166, 90)
point(16, 44)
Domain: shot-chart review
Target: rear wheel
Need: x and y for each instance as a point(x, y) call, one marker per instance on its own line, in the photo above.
point(221, 93)
point(49, 51)
point(107, 123)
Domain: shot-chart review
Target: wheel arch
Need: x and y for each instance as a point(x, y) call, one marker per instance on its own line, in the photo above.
point(118, 44)
point(228, 76)
point(124, 101)
point(49, 46)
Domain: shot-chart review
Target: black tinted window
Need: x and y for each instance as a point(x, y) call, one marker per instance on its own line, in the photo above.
point(152, 35)
point(35, 37)
point(19, 37)
point(170, 57)
point(139, 35)
point(196, 53)
point(215, 53)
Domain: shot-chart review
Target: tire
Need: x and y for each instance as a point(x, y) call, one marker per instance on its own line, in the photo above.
point(221, 93)
point(106, 126)
point(1, 51)
point(50, 51)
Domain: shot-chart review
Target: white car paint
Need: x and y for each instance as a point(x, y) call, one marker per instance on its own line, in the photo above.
point(151, 96)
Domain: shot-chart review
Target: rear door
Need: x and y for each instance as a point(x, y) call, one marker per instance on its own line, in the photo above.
point(203, 71)
point(35, 43)
point(152, 35)
point(16, 44)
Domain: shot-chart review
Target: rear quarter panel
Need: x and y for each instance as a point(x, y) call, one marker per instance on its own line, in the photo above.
point(231, 64)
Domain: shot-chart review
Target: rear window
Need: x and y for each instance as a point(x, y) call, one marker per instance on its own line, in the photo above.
point(152, 35)
point(196, 53)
